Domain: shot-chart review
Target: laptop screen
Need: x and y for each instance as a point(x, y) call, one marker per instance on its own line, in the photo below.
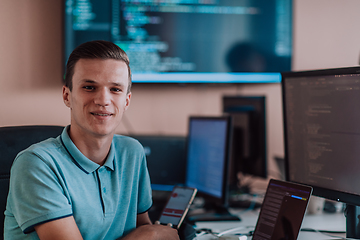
point(282, 211)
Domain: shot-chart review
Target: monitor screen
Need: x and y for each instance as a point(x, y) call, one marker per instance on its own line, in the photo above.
point(207, 157)
point(189, 41)
point(322, 131)
point(166, 160)
point(248, 154)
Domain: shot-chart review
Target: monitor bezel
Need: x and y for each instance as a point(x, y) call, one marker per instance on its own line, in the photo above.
point(327, 193)
point(208, 198)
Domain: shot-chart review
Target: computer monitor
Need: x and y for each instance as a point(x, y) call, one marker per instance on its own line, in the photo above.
point(248, 154)
point(170, 41)
point(208, 164)
point(166, 160)
point(322, 134)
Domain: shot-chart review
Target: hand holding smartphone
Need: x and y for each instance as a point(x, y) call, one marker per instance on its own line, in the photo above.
point(177, 206)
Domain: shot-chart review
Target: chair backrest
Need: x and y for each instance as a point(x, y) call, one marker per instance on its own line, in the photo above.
point(12, 141)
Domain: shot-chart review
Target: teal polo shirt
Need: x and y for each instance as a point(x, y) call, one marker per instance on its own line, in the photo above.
point(53, 179)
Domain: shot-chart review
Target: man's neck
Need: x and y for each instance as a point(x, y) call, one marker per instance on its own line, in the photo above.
point(96, 148)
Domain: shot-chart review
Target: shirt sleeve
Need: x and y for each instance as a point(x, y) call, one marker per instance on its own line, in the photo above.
point(145, 194)
point(36, 193)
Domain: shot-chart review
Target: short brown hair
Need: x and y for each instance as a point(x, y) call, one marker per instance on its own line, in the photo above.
point(100, 49)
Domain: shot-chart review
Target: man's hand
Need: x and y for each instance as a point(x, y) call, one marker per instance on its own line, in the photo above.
point(169, 224)
point(147, 231)
point(153, 232)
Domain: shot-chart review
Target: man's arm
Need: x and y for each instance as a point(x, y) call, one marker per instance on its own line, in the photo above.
point(143, 219)
point(145, 230)
point(60, 229)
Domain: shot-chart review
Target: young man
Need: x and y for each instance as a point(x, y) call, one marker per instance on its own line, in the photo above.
point(88, 183)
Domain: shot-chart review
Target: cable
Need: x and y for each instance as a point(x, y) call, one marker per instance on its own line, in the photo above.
point(204, 231)
point(252, 204)
point(232, 230)
point(321, 231)
point(327, 233)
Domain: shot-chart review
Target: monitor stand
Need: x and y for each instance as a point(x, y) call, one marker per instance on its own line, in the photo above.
point(212, 213)
point(352, 214)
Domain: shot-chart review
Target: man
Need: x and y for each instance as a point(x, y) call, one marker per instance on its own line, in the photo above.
point(88, 183)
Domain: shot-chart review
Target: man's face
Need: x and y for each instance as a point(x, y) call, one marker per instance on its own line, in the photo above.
point(99, 96)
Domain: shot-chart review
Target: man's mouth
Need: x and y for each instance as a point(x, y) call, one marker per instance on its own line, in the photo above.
point(102, 114)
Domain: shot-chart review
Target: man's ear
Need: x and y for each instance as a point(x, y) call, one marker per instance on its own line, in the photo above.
point(66, 96)
point(127, 101)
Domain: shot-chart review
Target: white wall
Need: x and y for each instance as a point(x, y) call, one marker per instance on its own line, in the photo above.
point(325, 35)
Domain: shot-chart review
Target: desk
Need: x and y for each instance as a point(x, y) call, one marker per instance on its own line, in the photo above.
point(324, 221)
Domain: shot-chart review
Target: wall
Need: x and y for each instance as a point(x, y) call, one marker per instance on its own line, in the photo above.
point(30, 63)
point(325, 35)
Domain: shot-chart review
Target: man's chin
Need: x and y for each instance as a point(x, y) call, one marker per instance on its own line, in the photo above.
point(101, 131)
point(104, 133)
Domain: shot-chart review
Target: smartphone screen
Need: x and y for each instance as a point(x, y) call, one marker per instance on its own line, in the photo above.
point(177, 206)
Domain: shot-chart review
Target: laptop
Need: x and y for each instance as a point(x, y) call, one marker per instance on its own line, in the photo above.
point(282, 211)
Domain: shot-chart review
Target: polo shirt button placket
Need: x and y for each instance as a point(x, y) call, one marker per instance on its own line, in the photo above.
point(101, 169)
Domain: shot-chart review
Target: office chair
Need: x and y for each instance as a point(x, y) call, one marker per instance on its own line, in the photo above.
point(12, 141)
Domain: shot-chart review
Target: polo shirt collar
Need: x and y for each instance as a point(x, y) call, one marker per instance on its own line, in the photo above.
point(80, 160)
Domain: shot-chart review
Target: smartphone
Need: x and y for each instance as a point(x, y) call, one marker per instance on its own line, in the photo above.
point(177, 206)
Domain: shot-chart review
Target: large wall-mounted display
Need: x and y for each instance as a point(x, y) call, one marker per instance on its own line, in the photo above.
point(189, 40)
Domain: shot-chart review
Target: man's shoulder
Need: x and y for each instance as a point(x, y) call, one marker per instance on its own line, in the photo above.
point(46, 147)
point(122, 141)
point(38, 154)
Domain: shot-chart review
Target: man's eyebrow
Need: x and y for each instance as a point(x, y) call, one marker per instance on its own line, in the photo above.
point(88, 81)
point(117, 84)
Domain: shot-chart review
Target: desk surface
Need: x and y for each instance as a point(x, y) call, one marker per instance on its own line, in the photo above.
point(324, 221)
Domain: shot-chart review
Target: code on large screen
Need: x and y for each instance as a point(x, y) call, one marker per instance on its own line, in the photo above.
point(323, 130)
point(187, 35)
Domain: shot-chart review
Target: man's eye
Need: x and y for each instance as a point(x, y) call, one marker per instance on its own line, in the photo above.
point(89, 87)
point(116, 89)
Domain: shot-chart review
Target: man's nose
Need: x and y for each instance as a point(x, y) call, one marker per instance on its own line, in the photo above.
point(102, 97)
